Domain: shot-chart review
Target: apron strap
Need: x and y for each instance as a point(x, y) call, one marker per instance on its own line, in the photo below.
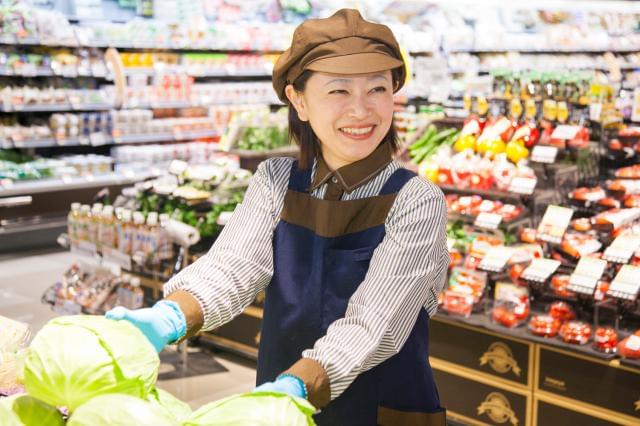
point(299, 180)
point(396, 181)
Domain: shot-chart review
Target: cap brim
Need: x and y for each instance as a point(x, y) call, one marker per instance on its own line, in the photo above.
point(357, 63)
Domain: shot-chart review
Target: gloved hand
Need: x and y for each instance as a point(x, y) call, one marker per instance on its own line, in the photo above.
point(161, 324)
point(285, 383)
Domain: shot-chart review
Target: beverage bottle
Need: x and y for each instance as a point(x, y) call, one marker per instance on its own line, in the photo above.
point(165, 246)
point(73, 221)
point(124, 291)
point(136, 294)
point(125, 232)
point(152, 238)
point(106, 230)
point(138, 235)
point(94, 223)
point(82, 223)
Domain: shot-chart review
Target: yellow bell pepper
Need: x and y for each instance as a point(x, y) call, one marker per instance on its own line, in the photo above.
point(465, 142)
point(497, 146)
point(516, 150)
point(429, 170)
point(483, 145)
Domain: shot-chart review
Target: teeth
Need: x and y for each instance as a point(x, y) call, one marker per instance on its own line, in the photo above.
point(361, 131)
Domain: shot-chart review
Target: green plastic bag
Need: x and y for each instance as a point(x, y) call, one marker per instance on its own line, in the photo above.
point(76, 358)
point(25, 410)
point(178, 410)
point(117, 409)
point(254, 409)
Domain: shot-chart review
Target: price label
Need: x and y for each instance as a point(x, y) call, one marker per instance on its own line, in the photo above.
point(544, 154)
point(586, 275)
point(626, 284)
point(496, 258)
point(116, 257)
point(523, 185)
point(540, 269)
point(565, 131)
point(554, 224)
point(488, 220)
point(622, 248)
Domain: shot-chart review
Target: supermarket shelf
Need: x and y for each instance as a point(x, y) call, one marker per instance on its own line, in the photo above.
point(164, 137)
point(207, 73)
point(542, 51)
point(50, 185)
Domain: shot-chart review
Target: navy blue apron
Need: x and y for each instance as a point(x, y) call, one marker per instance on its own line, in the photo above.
point(314, 277)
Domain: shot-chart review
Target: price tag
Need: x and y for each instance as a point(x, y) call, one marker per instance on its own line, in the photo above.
point(554, 224)
point(565, 131)
point(488, 220)
point(626, 284)
point(540, 269)
point(67, 307)
point(116, 257)
point(84, 248)
point(544, 154)
point(224, 218)
point(622, 248)
point(97, 139)
point(523, 185)
point(595, 110)
point(586, 275)
point(496, 258)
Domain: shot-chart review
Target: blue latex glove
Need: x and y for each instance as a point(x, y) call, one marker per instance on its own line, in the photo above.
point(290, 385)
point(161, 324)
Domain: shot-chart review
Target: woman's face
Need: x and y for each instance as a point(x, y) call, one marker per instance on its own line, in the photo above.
point(350, 114)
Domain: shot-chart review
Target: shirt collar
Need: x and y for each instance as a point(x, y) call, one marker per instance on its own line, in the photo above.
point(355, 174)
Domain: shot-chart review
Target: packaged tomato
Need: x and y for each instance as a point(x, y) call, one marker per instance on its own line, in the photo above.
point(544, 325)
point(601, 290)
point(559, 283)
point(474, 281)
point(576, 332)
point(515, 271)
point(631, 172)
point(582, 224)
point(630, 347)
point(562, 311)
point(511, 313)
point(458, 303)
point(609, 202)
point(528, 235)
point(632, 200)
point(578, 245)
point(605, 340)
point(586, 194)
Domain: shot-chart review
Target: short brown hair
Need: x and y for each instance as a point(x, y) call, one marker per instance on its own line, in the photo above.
point(304, 136)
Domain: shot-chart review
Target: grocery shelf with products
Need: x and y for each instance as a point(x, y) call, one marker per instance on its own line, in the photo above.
point(128, 136)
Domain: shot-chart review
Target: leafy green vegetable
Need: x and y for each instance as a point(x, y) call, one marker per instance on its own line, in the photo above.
point(120, 410)
point(176, 409)
point(25, 410)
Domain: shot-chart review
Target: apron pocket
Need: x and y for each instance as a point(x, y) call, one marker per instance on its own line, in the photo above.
point(392, 417)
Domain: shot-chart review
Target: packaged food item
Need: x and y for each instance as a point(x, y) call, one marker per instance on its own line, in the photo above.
point(511, 313)
point(585, 194)
point(582, 224)
point(562, 311)
point(544, 325)
point(631, 172)
point(576, 332)
point(579, 245)
point(458, 302)
point(605, 339)
point(559, 284)
point(630, 347)
point(463, 279)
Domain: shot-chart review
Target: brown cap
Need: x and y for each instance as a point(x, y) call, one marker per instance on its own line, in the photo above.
point(343, 43)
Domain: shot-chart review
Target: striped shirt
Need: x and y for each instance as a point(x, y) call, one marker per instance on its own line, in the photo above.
point(407, 270)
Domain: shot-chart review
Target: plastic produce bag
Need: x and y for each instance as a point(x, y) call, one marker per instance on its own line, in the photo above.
point(178, 410)
point(25, 410)
point(119, 410)
point(254, 409)
point(75, 358)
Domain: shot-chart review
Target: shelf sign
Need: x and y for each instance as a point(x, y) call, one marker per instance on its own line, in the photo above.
point(544, 154)
point(586, 275)
point(565, 131)
point(622, 248)
point(626, 284)
point(488, 220)
point(540, 269)
point(523, 185)
point(554, 224)
point(84, 248)
point(496, 259)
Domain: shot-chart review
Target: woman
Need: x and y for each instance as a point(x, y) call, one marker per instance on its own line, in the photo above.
point(350, 247)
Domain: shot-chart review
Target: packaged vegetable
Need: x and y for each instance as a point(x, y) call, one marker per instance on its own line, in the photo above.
point(25, 410)
point(76, 358)
point(118, 409)
point(256, 409)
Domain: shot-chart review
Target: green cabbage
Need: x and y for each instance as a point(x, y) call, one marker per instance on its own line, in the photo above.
point(254, 409)
point(25, 410)
point(119, 410)
point(75, 358)
point(178, 410)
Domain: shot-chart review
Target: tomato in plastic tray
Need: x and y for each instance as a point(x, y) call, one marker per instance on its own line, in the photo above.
point(544, 325)
point(631, 172)
point(559, 283)
point(632, 200)
point(588, 194)
point(582, 224)
point(578, 245)
point(630, 347)
point(562, 311)
point(576, 332)
point(511, 314)
point(528, 235)
point(458, 303)
point(601, 290)
point(605, 340)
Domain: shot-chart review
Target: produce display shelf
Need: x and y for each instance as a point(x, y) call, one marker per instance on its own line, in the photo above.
point(54, 184)
point(575, 50)
point(203, 74)
point(56, 107)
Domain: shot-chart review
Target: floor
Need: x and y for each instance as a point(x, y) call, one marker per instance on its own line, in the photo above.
point(24, 278)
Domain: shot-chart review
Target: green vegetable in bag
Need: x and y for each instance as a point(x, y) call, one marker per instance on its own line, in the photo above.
point(176, 409)
point(25, 410)
point(254, 409)
point(117, 409)
point(75, 358)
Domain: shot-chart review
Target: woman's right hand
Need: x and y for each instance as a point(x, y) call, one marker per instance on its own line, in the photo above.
point(162, 324)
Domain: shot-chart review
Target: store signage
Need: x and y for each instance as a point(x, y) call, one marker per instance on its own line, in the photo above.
point(488, 220)
point(523, 185)
point(540, 269)
point(586, 275)
point(496, 406)
point(544, 154)
point(496, 258)
point(622, 248)
point(626, 285)
point(565, 131)
point(554, 224)
point(500, 359)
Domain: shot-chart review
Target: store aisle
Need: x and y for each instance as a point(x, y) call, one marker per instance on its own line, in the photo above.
point(24, 278)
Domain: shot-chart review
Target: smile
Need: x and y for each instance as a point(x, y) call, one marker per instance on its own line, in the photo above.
point(358, 132)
